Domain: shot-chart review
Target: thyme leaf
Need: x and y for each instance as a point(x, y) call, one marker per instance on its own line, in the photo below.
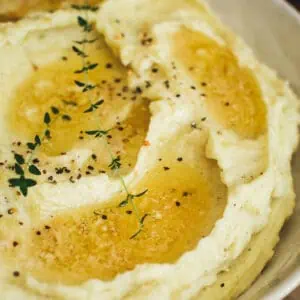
point(18, 169)
point(22, 183)
point(79, 52)
point(86, 68)
point(94, 106)
point(86, 41)
point(55, 110)
point(31, 146)
point(37, 140)
point(19, 159)
point(115, 163)
point(79, 83)
point(85, 7)
point(97, 133)
point(34, 170)
point(84, 24)
point(47, 118)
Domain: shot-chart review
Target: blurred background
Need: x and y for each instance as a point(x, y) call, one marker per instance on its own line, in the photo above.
point(296, 294)
point(295, 2)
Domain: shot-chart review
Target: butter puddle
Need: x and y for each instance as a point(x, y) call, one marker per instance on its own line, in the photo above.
point(183, 204)
point(231, 92)
point(124, 110)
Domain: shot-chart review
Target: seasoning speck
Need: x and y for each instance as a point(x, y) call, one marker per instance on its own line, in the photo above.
point(16, 273)
point(11, 211)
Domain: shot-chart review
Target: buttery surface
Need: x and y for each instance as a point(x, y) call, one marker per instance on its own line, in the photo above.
point(196, 123)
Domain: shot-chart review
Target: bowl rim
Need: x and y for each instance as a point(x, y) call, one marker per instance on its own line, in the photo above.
point(292, 281)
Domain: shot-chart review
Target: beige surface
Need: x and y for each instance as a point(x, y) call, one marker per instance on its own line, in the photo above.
point(294, 296)
point(12, 10)
point(272, 30)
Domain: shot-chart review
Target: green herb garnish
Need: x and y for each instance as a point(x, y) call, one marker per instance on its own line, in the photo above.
point(86, 87)
point(24, 165)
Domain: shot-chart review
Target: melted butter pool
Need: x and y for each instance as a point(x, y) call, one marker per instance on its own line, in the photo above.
point(124, 110)
point(94, 242)
point(231, 92)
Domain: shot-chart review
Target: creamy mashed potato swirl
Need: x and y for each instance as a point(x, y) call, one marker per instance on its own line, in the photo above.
point(213, 148)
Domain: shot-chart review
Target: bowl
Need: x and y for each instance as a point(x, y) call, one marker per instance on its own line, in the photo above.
point(272, 29)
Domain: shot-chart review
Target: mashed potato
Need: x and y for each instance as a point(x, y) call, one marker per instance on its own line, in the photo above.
point(203, 133)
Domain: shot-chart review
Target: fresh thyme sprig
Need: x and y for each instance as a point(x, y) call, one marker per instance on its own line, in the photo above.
point(86, 87)
point(85, 7)
point(23, 165)
point(80, 50)
point(115, 166)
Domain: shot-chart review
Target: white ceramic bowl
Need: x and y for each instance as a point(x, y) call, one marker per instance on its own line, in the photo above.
point(272, 29)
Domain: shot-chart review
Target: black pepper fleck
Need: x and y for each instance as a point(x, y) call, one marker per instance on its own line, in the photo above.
point(11, 211)
point(16, 273)
point(36, 161)
point(138, 90)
